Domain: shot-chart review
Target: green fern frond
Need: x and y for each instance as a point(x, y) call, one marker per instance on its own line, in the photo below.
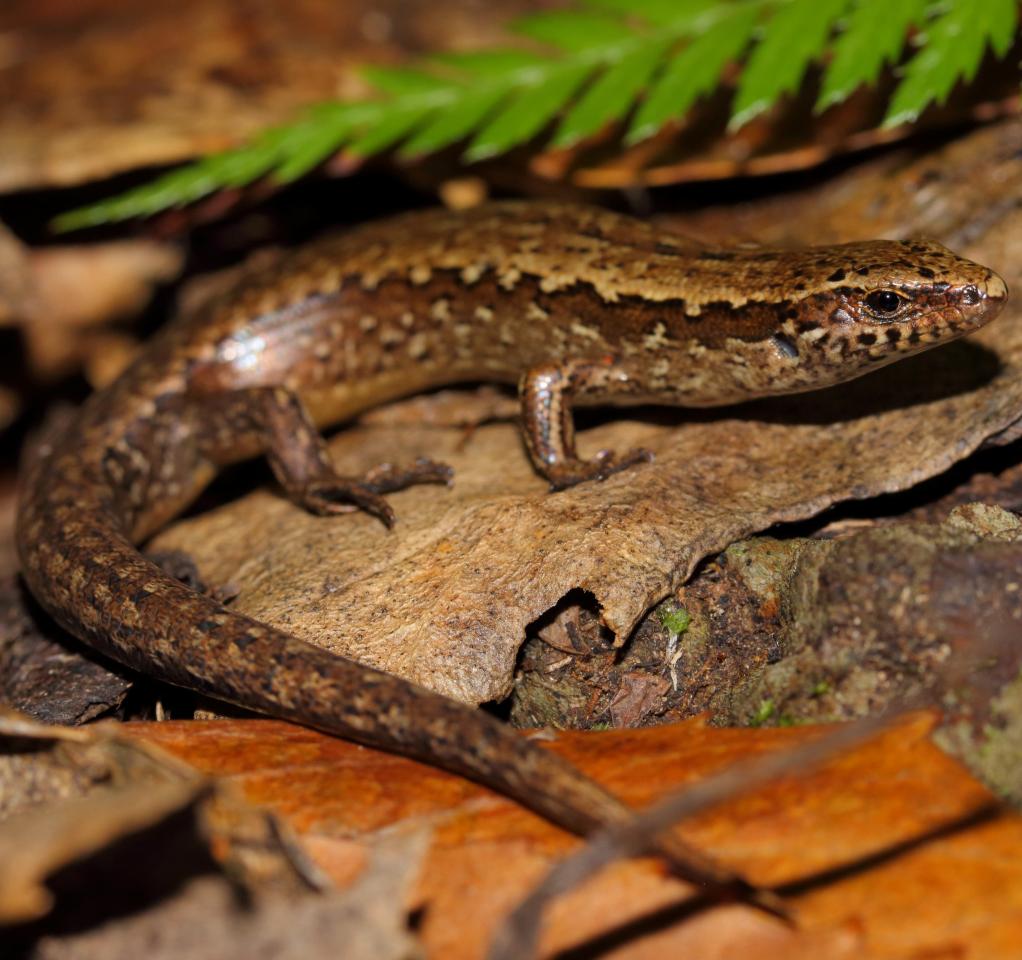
point(875, 35)
point(638, 63)
point(796, 35)
point(694, 71)
point(533, 106)
point(951, 49)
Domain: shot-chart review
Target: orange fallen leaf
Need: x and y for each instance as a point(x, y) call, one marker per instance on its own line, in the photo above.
point(875, 849)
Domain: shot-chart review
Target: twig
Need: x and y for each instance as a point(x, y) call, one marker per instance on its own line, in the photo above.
point(517, 938)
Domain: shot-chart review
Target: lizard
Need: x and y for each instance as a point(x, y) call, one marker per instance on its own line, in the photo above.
point(574, 304)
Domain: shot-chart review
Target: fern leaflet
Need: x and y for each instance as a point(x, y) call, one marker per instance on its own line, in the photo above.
point(638, 63)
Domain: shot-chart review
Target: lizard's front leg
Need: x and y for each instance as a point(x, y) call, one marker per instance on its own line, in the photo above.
point(547, 393)
point(274, 420)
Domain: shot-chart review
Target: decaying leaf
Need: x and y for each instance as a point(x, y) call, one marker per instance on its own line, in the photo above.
point(857, 845)
point(448, 408)
point(15, 283)
point(519, 934)
point(118, 86)
point(77, 288)
point(793, 138)
point(81, 286)
point(36, 769)
point(69, 792)
point(57, 806)
point(10, 406)
point(964, 193)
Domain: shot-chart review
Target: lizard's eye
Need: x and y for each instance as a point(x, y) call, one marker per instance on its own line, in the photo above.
point(884, 303)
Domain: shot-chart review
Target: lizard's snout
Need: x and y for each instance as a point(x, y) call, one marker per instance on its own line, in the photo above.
point(996, 288)
point(981, 301)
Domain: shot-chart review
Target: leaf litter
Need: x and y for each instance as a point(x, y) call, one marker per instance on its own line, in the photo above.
point(151, 856)
point(627, 550)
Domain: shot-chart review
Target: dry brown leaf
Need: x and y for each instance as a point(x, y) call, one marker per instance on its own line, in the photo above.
point(58, 807)
point(873, 817)
point(203, 917)
point(448, 408)
point(81, 285)
point(85, 286)
point(53, 293)
point(10, 407)
point(965, 193)
point(88, 285)
point(42, 765)
point(791, 136)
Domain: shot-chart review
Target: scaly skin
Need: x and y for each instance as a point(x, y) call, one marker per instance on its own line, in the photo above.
point(577, 305)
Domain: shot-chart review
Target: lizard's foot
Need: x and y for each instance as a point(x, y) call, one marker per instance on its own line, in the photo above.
point(569, 473)
point(336, 494)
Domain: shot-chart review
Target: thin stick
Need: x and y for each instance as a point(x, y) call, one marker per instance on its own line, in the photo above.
point(517, 938)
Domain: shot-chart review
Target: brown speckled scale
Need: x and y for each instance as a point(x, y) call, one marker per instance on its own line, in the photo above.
point(575, 304)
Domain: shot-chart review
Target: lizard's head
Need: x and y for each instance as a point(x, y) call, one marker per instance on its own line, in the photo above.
point(884, 299)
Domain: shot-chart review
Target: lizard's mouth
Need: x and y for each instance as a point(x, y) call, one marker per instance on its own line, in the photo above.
point(959, 310)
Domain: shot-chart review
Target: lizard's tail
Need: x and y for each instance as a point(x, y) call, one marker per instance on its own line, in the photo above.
point(84, 570)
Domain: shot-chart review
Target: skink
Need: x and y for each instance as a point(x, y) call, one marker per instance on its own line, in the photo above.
point(576, 305)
